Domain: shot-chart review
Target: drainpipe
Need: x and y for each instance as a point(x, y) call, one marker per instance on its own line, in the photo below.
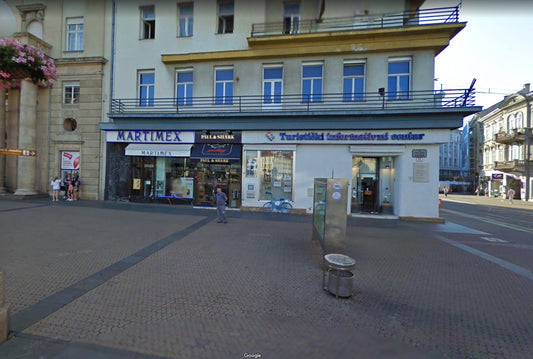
point(528, 149)
point(49, 134)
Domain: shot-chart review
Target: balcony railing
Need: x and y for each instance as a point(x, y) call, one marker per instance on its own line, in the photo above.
point(359, 22)
point(369, 101)
point(518, 166)
point(515, 135)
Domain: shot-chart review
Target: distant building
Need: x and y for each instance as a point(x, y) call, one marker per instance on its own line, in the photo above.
point(502, 142)
point(450, 158)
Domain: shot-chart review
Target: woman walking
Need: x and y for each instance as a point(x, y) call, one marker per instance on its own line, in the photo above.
point(56, 186)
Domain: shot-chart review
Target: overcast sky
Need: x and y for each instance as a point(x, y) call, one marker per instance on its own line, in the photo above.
point(496, 48)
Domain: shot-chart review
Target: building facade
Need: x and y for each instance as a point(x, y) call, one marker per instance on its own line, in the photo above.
point(503, 146)
point(261, 97)
point(64, 118)
point(450, 157)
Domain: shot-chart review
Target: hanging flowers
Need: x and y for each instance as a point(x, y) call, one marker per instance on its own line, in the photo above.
point(19, 61)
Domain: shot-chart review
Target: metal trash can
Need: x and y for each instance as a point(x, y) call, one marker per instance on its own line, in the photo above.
point(337, 276)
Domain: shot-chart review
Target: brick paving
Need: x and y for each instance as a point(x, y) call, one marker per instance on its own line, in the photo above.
point(197, 289)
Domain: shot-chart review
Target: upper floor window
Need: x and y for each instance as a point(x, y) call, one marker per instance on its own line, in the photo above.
point(185, 19)
point(225, 17)
point(71, 93)
point(184, 87)
point(312, 82)
point(353, 87)
point(291, 18)
point(519, 120)
point(75, 29)
point(512, 122)
point(272, 84)
point(146, 85)
point(399, 78)
point(148, 22)
point(224, 86)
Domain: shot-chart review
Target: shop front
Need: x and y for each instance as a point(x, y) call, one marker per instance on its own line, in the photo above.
point(389, 172)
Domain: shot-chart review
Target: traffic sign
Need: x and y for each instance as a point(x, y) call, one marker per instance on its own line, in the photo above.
point(17, 152)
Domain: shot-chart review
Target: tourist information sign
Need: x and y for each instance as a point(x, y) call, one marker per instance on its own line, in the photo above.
point(17, 152)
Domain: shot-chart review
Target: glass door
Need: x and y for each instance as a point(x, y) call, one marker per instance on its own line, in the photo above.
point(365, 184)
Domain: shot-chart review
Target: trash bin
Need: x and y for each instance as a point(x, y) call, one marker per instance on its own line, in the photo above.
point(337, 276)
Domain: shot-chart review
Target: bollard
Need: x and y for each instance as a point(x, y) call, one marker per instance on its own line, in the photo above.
point(3, 311)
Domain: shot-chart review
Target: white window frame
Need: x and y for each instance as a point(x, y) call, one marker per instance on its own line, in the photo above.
point(290, 19)
point(143, 34)
point(187, 101)
point(272, 82)
point(187, 19)
point(398, 95)
point(79, 29)
point(353, 77)
point(222, 18)
point(74, 97)
point(147, 102)
point(313, 79)
point(224, 82)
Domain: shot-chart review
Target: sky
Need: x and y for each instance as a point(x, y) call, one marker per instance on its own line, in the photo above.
point(495, 47)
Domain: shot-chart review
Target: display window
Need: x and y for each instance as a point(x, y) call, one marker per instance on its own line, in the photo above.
point(275, 174)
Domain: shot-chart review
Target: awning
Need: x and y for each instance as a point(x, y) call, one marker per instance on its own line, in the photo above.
point(158, 150)
point(216, 151)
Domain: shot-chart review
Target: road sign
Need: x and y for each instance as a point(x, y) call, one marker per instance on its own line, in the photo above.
point(17, 152)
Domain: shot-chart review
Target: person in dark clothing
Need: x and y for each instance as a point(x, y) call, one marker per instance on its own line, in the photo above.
point(221, 199)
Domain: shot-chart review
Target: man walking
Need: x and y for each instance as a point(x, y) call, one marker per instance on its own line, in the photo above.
point(511, 194)
point(221, 205)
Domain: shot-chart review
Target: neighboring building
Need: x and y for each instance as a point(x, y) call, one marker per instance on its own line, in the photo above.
point(503, 145)
point(265, 96)
point(450, 157)
point(65, 134)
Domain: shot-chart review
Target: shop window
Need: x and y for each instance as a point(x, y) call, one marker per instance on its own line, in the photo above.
point(147, 22)
point(276, 174)
point(174, 178)
point(399, 80)
point(225, 17)
point(185, 19)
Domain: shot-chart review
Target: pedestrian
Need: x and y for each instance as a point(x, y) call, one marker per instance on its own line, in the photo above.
point(65, 185)
point(221, 199)
point(511, 194)
point(70, 186)
point(445, 191)
point(56, 186)
point(76, 187)
point(477, 191)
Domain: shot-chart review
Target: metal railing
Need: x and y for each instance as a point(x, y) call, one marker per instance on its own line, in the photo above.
point(298, 103)
point(359, 22)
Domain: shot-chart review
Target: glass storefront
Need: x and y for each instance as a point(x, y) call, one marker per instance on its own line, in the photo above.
point(209, 176)
point(271, 171)
point(372, 179)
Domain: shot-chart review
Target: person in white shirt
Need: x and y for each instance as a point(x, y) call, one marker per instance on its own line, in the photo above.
point(56, 186)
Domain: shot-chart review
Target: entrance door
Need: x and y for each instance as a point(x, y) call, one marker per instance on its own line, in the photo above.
point(209, 176)
point(143, 169)
point(365, 184)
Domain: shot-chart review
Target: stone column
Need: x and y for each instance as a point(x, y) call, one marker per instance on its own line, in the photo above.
point(27, 138)
point(2, 139)
point(4, 311)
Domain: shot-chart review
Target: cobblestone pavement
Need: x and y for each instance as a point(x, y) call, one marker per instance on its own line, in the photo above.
point(107, 280)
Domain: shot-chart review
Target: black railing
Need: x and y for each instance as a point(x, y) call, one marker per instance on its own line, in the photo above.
point(299, 103)
point(359, 22)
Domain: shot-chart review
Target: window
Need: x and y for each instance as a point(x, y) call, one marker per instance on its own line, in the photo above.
point(275, 172)
point(71, 93)
point(512, 122)
point(272, 85)
point(312, 83)
point(399, 79)
point(146, 88)
point(519, 120)
point(225, 17)
point(75, 28)
point(291, 18)
point(185, 19)
point(224, 86)
point(184, 87)
point(353, 87)
point(147, 22)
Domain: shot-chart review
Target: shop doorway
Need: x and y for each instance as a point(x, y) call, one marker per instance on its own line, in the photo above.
point(372, 179)
point(143, 174)
point(209, 176)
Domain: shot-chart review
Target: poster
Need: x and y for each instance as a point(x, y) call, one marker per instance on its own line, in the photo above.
point(181, 187)
point(70, 160)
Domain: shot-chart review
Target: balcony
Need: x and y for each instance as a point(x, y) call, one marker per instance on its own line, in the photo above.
point(516, 135)
point(514, 166)
point(360, 22)
point(299, 104)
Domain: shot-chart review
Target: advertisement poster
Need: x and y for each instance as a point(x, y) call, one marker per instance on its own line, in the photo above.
point(181, 187)
point(70, 160)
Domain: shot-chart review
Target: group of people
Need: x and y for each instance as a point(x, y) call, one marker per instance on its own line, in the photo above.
point(71, 184)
